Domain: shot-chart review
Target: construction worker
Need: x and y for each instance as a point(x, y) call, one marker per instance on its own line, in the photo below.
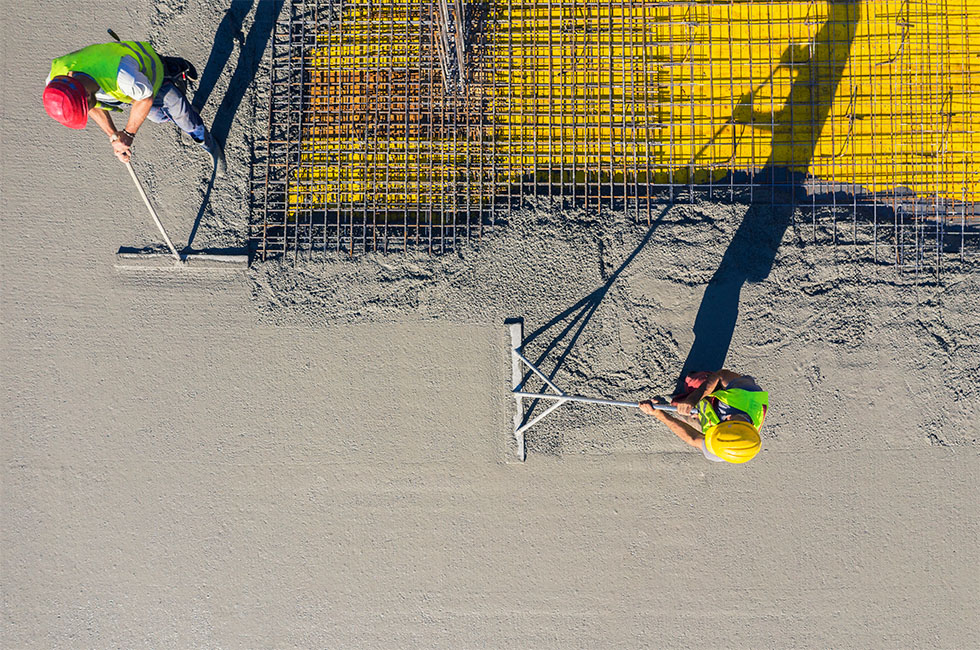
point(100, 78)
point(730, 411)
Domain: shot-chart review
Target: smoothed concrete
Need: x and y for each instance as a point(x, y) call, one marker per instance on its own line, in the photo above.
point(198, 460)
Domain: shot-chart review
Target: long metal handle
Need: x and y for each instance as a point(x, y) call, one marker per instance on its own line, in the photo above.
point(153, 213)
point(596, 400)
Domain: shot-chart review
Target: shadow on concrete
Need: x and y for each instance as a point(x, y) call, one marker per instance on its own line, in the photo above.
point(573, 321)
point(251, 48)
point(796, 127)
point(204, 205)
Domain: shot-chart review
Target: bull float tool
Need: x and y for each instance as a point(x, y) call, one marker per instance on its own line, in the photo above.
point(140, 258)
point(519, 362)
point(181, 73)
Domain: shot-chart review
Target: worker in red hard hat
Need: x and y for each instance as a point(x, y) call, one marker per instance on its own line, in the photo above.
point(730, 411)
point(104, 77)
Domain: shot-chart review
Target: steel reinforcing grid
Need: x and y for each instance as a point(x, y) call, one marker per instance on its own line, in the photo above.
point(399, 124)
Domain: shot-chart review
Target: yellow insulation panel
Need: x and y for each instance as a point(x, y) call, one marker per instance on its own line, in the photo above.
point(881, 95)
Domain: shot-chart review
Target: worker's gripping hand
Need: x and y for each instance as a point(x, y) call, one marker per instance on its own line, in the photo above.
point(647, 406)
point(684, 407)
point(122, 146)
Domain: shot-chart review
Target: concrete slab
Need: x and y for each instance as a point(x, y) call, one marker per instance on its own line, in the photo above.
point(182, 468)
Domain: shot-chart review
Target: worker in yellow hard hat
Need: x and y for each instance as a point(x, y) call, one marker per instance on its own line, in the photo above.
point(730, 411)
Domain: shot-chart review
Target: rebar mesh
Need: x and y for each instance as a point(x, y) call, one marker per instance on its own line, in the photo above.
point(396, 124)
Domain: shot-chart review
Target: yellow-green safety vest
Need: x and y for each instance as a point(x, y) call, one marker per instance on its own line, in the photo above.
point(101, 62)
point(753, 402)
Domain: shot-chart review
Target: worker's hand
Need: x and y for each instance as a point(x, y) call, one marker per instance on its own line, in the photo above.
point(647, 406)
point(123, 146)
point(684, 407)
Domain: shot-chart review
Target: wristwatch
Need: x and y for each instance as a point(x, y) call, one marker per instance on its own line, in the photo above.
point(113, 137)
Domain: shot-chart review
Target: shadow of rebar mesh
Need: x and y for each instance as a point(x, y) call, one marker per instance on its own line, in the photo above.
point(398, 124)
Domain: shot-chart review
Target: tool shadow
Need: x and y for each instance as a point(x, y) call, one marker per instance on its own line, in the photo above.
point(204, 205)
point(573, 321)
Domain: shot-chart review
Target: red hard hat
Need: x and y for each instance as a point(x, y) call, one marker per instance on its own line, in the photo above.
point(66, 100)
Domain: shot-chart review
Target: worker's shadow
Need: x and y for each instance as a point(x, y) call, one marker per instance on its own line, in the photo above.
point(796, 126)
point(251, 49)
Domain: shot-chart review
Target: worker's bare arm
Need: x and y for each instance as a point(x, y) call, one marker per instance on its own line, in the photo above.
point(137, 114)
point(717, 379)
point(102, 118)
point(682, 430)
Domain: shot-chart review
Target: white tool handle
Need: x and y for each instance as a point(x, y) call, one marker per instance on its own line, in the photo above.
point(153, 213)
point(596, 400)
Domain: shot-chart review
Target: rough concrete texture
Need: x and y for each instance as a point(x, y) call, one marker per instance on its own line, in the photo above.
point(320, 455)
point(841, 342)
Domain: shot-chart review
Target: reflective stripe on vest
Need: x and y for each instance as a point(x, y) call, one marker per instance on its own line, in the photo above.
point(752, 402)
point(101, 62)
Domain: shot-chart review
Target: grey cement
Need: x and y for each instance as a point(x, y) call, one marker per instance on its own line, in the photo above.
point(851, 350)
point(320, 455)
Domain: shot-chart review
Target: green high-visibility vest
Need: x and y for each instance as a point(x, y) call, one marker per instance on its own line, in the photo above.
point(753, 402)
point(101, 62)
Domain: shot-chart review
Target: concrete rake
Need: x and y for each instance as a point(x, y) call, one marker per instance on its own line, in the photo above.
point(559, 397)
point(134, 258)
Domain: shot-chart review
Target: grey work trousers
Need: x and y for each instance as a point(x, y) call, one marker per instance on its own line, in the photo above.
point(170, 105)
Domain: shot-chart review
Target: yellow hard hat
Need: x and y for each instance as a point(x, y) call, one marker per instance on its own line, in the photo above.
point(733, 441)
